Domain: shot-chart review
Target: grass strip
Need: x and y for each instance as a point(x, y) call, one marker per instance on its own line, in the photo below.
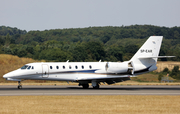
point(128, 104)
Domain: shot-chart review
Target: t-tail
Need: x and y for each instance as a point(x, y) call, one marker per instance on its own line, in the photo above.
point(146, 57)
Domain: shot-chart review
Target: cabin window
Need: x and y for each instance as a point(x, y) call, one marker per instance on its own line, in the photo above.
point(90, 66)
point(50, 67)
point(82, 67)
point(24, 67)
point(29, 67)
point(63, 67)
point(76, 67)
point(32, 67)
point(57, 67)
point(69, 67)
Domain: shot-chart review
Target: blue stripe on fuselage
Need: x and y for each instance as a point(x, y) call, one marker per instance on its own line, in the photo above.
point(85, 71)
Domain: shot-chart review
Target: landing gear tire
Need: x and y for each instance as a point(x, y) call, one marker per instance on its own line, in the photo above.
point(96, 87)
point(19, 86)
point(85, 86)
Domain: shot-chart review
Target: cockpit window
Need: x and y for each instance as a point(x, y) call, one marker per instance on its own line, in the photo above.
point(29, 67)
point(24, 67)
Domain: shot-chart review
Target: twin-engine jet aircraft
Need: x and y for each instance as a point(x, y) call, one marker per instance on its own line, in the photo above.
point(84, 73)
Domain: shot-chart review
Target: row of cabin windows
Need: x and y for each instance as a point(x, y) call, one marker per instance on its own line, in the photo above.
point(76, 67)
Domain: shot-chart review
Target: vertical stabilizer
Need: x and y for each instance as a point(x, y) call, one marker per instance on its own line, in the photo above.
point(147, 55)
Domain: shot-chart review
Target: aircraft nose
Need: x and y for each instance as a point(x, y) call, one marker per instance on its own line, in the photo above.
point(8, 75)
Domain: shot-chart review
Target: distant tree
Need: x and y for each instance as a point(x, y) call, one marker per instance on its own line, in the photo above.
point(175, 72)
point(114, 54)
point(100, 42)
point(7, 50)
point(8, 40)
point(38, 39)
point(79, 53)
point(30, 49)
point(132, 48)
point(176, 35)
point(166, 70)
point(160, 77)
point(11, 31)
point(15, 51)
point(22, 52)
point(54, 55)
point(76, 39)
point(105, 38)
point(2, 41)
point(95, 50)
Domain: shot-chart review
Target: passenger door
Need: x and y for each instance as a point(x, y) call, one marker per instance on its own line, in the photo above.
point(45, 71)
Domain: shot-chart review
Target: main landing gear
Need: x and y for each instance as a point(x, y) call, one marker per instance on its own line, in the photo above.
point(85, 86)
point(95, 84)
point(96, 87)
point(19, 85)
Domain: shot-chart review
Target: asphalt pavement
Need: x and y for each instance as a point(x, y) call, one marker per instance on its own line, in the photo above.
point(78, 90)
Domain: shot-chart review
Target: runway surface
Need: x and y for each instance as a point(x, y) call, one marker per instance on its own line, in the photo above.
point(78, 90)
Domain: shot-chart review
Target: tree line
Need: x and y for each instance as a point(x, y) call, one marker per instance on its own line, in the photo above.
point(175, 73)
point(87, 44)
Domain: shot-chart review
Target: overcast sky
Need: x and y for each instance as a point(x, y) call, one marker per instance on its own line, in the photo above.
point(54, 14)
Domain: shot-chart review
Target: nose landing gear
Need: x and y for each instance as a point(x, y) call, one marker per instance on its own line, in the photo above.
point(19, 85)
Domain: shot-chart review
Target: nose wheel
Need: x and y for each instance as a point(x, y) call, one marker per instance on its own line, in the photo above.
point(19, 85)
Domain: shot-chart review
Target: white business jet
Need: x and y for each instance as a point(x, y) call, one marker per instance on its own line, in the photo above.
point(84, 73)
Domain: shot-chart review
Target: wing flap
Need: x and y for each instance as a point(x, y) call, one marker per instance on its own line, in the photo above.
point(100, 78)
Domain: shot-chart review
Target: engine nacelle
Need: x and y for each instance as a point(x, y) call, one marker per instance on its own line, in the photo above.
point(117, 67)
point(153, 67)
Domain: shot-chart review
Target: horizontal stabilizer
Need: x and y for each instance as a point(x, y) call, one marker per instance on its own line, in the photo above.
point(149, 57)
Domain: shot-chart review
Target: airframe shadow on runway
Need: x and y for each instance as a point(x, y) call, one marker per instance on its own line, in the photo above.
point(69, 87)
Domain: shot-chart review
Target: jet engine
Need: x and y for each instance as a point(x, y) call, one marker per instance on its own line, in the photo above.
point(113, 67)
